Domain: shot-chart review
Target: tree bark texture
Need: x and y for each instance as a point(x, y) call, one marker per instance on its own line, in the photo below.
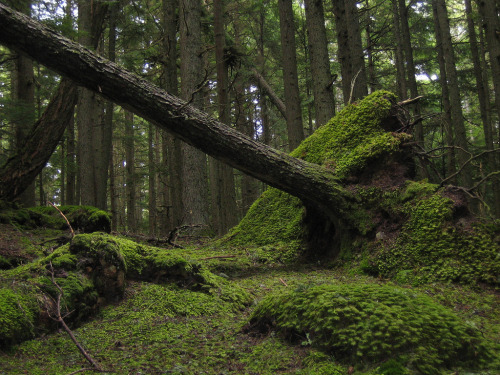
point(312, 183)
point(454, 91)
point(324, 101)
point(290, 76)
point(194, 163)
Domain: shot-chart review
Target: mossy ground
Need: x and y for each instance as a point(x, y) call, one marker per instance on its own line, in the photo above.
point(167, 328)
point(420, 267)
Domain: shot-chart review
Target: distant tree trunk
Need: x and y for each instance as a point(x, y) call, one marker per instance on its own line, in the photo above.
point(491, 26)
point(484, 105)
point(152, 181)
point(324, 100)
point(410, 68)
point(89, 116)
point(222, 179)
point(130, 172)
point(194, 192)
point(454, 92)
point(23, 89)
point(290, 76)
point(445, 97)
point(359, 82)
point(171, 187)
point(350, 51)
point(401, 89)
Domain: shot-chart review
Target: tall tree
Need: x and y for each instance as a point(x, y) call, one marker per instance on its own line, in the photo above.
point(128, 143)
point(171, 188)
point(410, 67)
point(484, 105)
point(350, 50)
point(92, 163)
point(290, 77)
point(222, 176)
point(454, 91)
point(194, 192)
point(23, 93)
point(324, 100)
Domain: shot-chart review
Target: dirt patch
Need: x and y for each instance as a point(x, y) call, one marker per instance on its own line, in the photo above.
point(11, 247)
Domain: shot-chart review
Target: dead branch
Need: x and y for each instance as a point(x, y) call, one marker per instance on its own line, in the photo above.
point(410, 101)
point(172, 236)
point(60, 319)
point(65, 218)
point(283, 282)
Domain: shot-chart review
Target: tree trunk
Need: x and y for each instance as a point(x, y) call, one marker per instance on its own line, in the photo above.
point(20, 171)
point(290, 77)
point(130, 171)
point(312, 183)
point(171, 212)
point(223, 189)
point(484, 105)
point(410, 67)
point(400, 88)
point(324, 101)
point(445, 97)
point(194, 193)
point(23, 90)
point(152, 181)
point(454, 92)
point(359, 85)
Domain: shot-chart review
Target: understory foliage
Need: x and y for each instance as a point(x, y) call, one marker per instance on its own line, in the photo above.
point(366, 324)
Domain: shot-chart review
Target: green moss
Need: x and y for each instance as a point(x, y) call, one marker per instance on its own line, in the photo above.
point(347, 144)
point(433, 246)
point(18, 312)
point(274, 219)
point(353, 138)
point(364, 324)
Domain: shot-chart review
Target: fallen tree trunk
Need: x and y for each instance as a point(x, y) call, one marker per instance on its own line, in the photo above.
point(313, 184)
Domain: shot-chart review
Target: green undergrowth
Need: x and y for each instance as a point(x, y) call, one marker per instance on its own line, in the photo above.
point(369, 324)
point(436, 243)
point(81, 218)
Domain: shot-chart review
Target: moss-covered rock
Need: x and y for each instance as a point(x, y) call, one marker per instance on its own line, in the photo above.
point(369, 324)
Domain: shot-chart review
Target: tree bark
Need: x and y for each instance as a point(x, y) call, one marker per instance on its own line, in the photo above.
point(20, 171)
point(454, 92)
point(224, 197)
point(290, 77)
point(324, 101)
point(194, 163)
point(313, 184)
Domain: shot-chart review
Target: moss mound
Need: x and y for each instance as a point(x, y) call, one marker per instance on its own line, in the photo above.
point(369, 324)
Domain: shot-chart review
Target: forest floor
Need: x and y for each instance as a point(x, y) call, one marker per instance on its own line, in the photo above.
point(164, 329)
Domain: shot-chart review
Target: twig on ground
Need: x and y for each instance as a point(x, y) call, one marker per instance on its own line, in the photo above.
point(283, 282)
point(60, 319)
point(65, 218)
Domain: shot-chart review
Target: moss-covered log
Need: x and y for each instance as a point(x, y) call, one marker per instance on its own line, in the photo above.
point(92, 271)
